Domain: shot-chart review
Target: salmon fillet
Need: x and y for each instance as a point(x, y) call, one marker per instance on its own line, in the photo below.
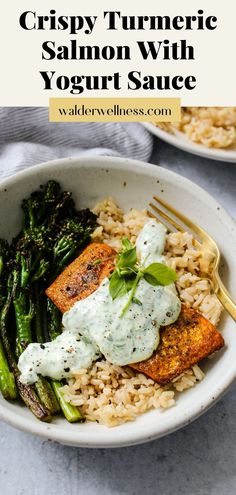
point(83, 276)
point(184, 343)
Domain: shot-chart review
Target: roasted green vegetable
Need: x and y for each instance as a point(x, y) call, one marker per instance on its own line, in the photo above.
point(53, 233)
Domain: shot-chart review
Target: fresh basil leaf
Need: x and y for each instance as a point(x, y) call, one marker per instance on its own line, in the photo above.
point(126, 243)
point(117, 286)
point(129, 283)
point(126, 272)
point(150, 279)
point(127, 258)
point(159, 274)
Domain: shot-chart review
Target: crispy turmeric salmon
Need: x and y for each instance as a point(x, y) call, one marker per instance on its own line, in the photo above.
point(184, 343)
point(83, 276)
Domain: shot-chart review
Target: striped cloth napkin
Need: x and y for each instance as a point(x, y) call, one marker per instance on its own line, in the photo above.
point(28, 138)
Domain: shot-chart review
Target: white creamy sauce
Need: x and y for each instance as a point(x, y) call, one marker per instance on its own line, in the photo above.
point(150, 243)
point(94, 326)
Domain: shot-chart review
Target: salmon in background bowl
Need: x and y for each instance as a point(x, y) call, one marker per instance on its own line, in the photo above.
point(132, 185)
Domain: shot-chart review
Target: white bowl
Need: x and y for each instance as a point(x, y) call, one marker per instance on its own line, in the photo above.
point(132, 183)
point(181, 141)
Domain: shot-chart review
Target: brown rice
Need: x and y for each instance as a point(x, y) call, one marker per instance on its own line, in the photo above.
point(214, 127)
point(110, 394)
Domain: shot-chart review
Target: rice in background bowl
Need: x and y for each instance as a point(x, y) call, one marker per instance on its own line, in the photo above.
point(213, 127)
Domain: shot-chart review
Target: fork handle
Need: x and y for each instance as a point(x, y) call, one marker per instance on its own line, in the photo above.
point(225, 298)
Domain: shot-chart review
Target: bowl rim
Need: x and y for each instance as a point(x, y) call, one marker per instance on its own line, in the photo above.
point(147, 433)
point(181, 141)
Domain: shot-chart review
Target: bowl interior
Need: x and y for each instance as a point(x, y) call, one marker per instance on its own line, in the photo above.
point(132, 184)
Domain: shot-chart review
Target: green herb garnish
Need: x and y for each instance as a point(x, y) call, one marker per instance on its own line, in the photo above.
point(129, 272)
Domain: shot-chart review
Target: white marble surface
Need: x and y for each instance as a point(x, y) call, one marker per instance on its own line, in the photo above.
point(198, 460)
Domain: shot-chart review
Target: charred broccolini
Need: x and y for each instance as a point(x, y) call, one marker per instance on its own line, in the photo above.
point(7, 381)
point(52, 234)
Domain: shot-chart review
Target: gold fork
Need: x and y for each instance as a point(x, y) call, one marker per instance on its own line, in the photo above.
point(202, 240)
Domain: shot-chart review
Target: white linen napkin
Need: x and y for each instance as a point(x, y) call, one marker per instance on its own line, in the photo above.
point(28, 138)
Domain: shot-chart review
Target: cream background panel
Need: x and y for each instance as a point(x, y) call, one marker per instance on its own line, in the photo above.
point(21, 83)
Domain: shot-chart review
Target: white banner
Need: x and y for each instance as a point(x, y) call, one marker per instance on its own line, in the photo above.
point(112, 48)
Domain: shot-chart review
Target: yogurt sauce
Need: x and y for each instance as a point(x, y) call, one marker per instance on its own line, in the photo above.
point(93, 326)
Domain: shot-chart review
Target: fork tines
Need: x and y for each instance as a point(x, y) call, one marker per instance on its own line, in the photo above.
point(165, 218)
